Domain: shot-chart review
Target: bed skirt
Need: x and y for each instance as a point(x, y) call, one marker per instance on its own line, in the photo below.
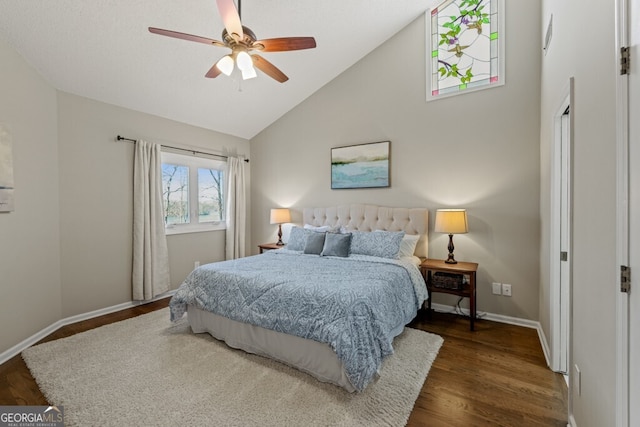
point(312, 357)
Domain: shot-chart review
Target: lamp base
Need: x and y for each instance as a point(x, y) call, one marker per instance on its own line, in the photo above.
point(280, 242)
point(450, 259)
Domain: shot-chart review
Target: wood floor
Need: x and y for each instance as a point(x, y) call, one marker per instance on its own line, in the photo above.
point(495, 376)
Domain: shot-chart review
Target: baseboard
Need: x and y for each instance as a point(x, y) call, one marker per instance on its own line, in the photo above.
point(532, 324)
point(545, 345)
point(18, 348)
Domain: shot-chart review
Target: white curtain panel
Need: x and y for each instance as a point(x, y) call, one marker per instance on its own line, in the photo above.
point(236, 207)
point(150, 276)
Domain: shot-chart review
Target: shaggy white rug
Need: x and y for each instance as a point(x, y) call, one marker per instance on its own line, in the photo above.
point(146, 371)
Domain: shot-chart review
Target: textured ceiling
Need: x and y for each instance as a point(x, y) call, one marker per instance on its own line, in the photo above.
point(101, 49)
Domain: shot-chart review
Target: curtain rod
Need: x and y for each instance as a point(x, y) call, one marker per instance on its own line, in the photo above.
point(122, 138)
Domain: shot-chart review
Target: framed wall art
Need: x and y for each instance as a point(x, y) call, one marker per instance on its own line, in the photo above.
point(465, 47)
point(361, 166)
point(6, 171)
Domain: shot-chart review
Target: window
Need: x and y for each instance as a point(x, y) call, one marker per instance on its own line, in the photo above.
point(192, 193)
point(465, 47)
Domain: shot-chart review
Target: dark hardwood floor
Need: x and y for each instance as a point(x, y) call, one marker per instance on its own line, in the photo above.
point(495, 376)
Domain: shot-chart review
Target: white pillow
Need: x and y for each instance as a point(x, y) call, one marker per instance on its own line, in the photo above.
point(325, 229)
point(321, 229)
point(412, 259)
point(408, 245)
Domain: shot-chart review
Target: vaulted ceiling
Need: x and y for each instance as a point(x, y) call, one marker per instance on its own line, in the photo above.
point(101, 49)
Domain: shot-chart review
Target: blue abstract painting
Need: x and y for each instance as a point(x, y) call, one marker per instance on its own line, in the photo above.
point(361, 166)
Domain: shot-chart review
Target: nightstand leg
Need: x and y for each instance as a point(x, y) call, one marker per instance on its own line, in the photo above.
point(429, 294)
point(472, 302)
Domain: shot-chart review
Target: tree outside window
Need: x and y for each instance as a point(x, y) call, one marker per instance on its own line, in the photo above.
point(192, 193)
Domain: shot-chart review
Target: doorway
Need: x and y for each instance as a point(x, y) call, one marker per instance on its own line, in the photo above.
point(560, 233)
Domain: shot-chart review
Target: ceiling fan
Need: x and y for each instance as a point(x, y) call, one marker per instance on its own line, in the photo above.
point(243, 44)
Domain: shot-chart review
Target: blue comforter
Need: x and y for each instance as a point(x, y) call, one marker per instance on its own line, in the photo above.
point(356, 304)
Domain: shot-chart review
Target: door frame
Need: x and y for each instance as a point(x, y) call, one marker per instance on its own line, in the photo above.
point(560, 296)
point(622, 218)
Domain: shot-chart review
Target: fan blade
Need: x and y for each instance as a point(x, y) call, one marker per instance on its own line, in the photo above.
point(185, 36)
point(230, 18)
point(285, 43)
point(213, 72)
point(268, 68)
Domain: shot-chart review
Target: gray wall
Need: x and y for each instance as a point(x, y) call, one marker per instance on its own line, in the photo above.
point(29, 236)
point(66, 249)
point(588, 56)
point(96, 197)
point(479, 151)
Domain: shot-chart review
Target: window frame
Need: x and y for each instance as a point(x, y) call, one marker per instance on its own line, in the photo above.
point(193, 163)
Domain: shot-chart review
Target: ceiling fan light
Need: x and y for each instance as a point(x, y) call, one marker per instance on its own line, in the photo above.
point(249, 73)
point(225, 65)
point(244, 61)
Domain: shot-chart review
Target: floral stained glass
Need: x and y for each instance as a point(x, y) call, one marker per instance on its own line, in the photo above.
point(466, 47)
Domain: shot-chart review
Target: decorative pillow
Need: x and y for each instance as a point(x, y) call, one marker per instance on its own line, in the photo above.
point(336, 244)
point(384, 244)
point(314, 243)
point(408, 245)
point(297, 239)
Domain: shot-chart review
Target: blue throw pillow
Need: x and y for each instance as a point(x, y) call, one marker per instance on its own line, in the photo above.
point(336, 244)
point(315, 243)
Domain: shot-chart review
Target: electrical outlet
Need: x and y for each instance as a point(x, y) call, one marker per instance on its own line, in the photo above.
point(496, 288)
point(196, 264)
point(506, 289)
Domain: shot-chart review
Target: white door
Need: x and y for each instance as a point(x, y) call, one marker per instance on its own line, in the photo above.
point(560, 233)
point(565, 238)
point(634, 212)
point(628, 217)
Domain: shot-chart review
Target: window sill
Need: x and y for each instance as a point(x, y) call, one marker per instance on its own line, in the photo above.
point(200, 228)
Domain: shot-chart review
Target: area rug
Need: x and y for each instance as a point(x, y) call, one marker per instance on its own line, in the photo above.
point(147, 371)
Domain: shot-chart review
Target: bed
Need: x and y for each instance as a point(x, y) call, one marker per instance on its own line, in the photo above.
point(330, 315)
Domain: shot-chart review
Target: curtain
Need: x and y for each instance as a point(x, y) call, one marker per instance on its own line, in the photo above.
point(236, 208)
point(150, 276)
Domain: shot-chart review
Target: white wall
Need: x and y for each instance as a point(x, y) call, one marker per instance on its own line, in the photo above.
point(589, 56)
point(479, 151)
point(29, 236)
point(96, 199)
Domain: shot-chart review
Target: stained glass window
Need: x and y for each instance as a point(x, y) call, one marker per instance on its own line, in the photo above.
point(466, 47)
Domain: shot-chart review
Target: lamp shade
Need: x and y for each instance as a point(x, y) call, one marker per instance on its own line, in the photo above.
point(280, 216)
point(451, 221)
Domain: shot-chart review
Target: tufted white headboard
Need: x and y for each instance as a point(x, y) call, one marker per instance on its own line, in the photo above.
point(371, 217)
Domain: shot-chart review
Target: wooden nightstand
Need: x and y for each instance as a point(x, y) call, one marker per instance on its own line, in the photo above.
point(269, 246)
point(468, 289)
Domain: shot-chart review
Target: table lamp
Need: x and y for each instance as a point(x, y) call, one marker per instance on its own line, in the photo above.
point(280, 216)
point(451, 221)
